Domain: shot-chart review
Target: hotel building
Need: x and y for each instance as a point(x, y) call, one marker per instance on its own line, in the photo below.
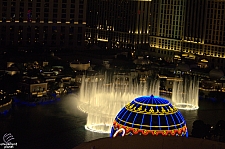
point(48, 23)
point(170, 28)
point(118, 23)
point(167, 27)
point(200, 28)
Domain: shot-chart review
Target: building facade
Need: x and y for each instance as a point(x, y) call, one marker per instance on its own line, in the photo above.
point(118, 24)
point(167, 27)
point(201, 30)
point(50, 23)
point(170, 28)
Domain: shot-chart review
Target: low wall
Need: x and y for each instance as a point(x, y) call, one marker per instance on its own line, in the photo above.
point(151, 142)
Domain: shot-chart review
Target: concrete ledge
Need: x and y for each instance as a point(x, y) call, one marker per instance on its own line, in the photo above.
point(151, 142)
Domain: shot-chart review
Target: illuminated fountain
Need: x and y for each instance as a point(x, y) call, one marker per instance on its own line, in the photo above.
point(103, 97)
point(185, 93)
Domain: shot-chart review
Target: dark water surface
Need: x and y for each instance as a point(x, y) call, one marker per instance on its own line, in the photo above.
point(59, 125)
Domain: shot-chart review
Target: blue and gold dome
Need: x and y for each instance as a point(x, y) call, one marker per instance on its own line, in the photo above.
point(149, 115)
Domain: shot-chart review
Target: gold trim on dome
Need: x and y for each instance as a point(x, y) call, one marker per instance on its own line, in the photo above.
point(131, 131)
point(151, 105)
point(151, 111)
point(149, 125)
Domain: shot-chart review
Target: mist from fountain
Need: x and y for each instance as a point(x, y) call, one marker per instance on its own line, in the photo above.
point(185, 94)
point(102, 97)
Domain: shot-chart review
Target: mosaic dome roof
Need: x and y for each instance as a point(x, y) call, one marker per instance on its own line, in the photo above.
point(149, 115)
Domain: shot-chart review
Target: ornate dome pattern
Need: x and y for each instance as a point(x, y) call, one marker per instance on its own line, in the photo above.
point(149, 115)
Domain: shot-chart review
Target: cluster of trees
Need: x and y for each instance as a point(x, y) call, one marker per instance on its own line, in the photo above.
point(206, 131)
point(8, 83)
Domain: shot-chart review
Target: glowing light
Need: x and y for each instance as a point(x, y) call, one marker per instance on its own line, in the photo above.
point(99, 128)
point(163, 118)
point(8, 103)
point(186, 106)
point(204, 60)
point(185, 93)
point(103, 40)
point(119, 131)
point(104, 98)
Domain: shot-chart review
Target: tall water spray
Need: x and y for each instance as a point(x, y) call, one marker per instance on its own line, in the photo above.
point(185, 93)
point(102, 97)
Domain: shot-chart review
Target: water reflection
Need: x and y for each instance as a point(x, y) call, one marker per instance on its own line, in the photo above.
point(61, 125)
point(190, 117)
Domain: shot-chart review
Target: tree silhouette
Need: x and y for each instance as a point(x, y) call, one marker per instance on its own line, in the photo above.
point(200, 129)
point(10, 83)
point(220, 130)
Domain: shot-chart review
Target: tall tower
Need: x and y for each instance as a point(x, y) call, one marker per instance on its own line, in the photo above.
point(195, 20)
point(169, 18)
point(167, 27)
point(215, 23)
